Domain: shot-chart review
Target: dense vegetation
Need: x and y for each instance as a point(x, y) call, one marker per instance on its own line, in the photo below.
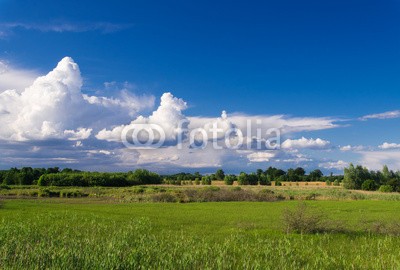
point(69, 177)
point(358, 177)
point(355, 177)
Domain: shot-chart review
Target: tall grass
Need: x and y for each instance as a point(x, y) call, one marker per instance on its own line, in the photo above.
point(65, 240)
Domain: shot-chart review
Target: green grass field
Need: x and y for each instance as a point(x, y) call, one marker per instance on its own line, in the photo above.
point(86, 233)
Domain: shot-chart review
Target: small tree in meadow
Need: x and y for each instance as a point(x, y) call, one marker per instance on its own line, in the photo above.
point(229, 179)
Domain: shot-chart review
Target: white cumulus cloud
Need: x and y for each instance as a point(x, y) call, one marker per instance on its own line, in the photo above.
point(15, 79)
point(54, 107)
point(305, 143)
point(168, 117)
point(387, 145)
point(260, 156)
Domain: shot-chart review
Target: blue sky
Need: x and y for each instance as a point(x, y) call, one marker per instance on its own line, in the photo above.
point(309, 59)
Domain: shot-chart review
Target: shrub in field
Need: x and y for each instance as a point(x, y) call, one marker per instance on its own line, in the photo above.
point(212, 188)
point(328, 183)
point(278, 183)
point(312, 196)
point(264, 180)
point(141, 176)
point(386, 228)
point(229, 179)
point(336, 183)
point(247, 179)
point(302, 219)
point(206, 180)
point(72, 193)
point(385, 188)
point(369, 185)
point(3, 186)
point(48, 193)
point(163, 197)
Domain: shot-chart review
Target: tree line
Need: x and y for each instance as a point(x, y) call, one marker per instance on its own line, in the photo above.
point(69, 177)
point(359, 177)
point(355, 177)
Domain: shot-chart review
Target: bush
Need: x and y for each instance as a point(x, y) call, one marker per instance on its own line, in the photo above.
point(386, 188)
point(229, 179)
point(48, 193)
point(302, 219)
point(278, 183)
point(212, 188)
point(206, 180)
point(264, 180)
point(368, 185)
point(328, 182)
point(336, 183)
point(3, 186)
point(141, 176)
point(385, 228)
point(164, 197)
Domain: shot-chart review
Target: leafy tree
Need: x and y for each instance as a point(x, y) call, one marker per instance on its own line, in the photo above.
point(243, 179)
point(273, 173)
point(142, 176)
point(369, 185)
point(252, 179)
point(220, 175)
point(230, 179)
point(355, 176)
point(264, 180)
point(300, 171)
point(292, 176)
point(385, 188)
point(315, 175)
point(53, 170)
point(206, 180)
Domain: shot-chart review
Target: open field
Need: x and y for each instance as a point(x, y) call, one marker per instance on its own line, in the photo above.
point(93, 233)
point(200, 193)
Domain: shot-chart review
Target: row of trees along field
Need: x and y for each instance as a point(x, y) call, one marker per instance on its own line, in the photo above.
point(260, 177)
point(355, 177)
point(358, 177)
point(69, 177)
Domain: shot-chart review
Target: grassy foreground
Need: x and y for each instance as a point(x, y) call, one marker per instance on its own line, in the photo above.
point(90, 234)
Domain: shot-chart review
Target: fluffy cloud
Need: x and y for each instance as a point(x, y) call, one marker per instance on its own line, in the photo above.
point(15, 79)
point(305, 143)
point(374, 160)
point(126, 101)
point(261, 156)
point(386, 146)
point(53, 107)
point(168, 117)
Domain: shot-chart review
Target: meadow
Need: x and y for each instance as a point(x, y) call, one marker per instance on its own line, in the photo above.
point(95, 233)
